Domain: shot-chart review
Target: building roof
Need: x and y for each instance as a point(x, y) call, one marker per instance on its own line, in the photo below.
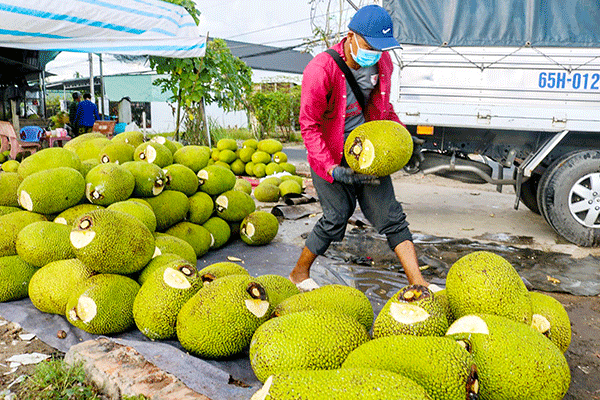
point(269, 58)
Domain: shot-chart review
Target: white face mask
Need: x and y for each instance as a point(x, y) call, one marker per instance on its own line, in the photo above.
point(365, 58)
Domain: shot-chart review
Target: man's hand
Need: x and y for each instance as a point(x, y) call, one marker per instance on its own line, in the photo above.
point(347, 175)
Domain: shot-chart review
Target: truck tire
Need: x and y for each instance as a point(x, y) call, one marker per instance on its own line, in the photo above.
point(432, 159)
point(529, 193)
point(572, 198)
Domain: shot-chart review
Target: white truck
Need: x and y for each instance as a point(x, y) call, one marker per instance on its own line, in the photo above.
point(522, 111)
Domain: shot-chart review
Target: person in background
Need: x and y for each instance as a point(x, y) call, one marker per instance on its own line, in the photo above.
point(87, 114)
point(329, 111)
point(73, 114)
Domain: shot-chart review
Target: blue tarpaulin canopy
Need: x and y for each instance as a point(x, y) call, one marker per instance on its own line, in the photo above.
point(539, 23)
point(133, 27)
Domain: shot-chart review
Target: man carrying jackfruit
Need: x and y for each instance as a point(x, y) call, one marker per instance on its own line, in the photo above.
point(329, 111)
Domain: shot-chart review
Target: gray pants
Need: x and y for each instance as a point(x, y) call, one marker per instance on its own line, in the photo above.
point(338, 201)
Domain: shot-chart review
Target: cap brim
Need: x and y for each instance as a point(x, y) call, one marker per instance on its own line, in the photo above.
point(382, 44)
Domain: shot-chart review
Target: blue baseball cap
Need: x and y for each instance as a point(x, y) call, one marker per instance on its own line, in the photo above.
point(374, 24)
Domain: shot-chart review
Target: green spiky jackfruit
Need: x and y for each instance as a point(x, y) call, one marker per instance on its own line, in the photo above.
point(9, 183)
point(238, 167)
point(51, 191)
point(303, 340)
point(150, 179)
point(249, 168)
point(278, 288)
point(51, 285)
point(133, 138)
point(112, 242)
point(259, 228)
point(181, 178)
point(273, 168)
point(266, 192)
point(243, 186)
point(289, 187)
point(413, 310)
point(551, 319)
point(115, 152)
point(270, 146)
point(227, 144)
point(378, 148)
point(109, 183)
point(153, 152)
point(227, 156)
point(51, 157)
point(483, 282)
point(170, 207)
point(221, 269)
point(340, 384)
point(338, 298)
point(196, 235)
point(161, 297)
point(234, 205)
point(216, 179)
point(15, 275)
point(259, 170)
point(219, 231)
point(88, 147)
point(280, 157)
point(171, 244)
point(43, 242)
point(142, 212)
point(514, 361)
point(165, 142)
point(287, 167)
point(103, 304)
point(220, 319)
point(261, 157)
point(193, 157)
point(87, 165)
point(10, 166)
point(246, 154)
point(10, 226)
point(7, 210)
point(252, 143)
point(439, 364)
point(157, 262)
point(68, 216)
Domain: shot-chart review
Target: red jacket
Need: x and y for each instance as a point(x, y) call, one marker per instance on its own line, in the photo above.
point(323, 108)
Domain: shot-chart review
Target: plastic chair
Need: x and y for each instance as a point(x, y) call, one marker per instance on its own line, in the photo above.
point(31, 133)
point(11, 140)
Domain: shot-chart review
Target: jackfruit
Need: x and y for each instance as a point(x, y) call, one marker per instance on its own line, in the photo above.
point(234, 205)
point(289, 187)
point(220, 319)
point(10, 226)
point(110, 183)
point(223, 164)
point(150, 179)
point(238, 167)
point(154, 153)
point(215, 180)
point(252, 143)
point(273, 168)
point(201, 207)
point(51, 157)
point(103, 304)
point(9, 183)
point(221, 269)
point(551, 319)
point(340, 384)
point(142, 212)
point(249, 168)
point(242, 185)
point(10, 166)
point(336, 298)
point(273, 180)
point(8, 210)
point(413, 310)
point(280, 157)
point(170, 244)
point(227, 156)
point(193, 157)
point(378, 148)
point(266, 192)
point(483, 282)
point(88, 148)
point(440, 365)
point(261, 157)
point(51, 191)
point(304, 340)
point(165, 142)
point(259, 228)
point(181, 179)
point(87, 165)
point(157, 262)
point(196, 235)
point(118, 153)
point(278, 288)
point(68, 216)
point(51, 285)
point(296, 178)
point(442, 297)
point(227, 144)
point(259, 170)
point(43, 242)
point(270, 146)
point(170, 207)
point(15, 275)
point(133, 138)
point(514, 361)
point(161, 297)
point(214, 154)
point(112, 242)
point(287, 167)
point(246, 154)
point(219, 231)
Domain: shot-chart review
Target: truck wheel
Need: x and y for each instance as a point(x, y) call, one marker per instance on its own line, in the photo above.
point(572, 198)
point(529, 193)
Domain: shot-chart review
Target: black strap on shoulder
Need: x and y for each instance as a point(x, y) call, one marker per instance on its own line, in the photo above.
point(349, 77)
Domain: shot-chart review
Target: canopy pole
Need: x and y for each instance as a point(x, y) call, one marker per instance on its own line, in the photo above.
point(91, 61)
point(101, 86)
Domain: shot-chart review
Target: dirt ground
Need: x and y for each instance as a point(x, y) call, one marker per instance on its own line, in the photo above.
point(439, 207)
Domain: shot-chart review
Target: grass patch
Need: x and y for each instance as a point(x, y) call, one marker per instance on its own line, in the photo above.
point(57, 380)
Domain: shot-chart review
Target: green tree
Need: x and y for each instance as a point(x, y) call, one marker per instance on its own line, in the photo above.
point(218, 77)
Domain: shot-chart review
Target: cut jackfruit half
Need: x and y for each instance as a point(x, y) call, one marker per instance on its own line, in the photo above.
point(257, 307)
point(468, 324)
point(85, 310)
point(367, 155)
point(25, 201)
point(250, 230)
point(176, 279)
point(408, 313)
point(80, 239)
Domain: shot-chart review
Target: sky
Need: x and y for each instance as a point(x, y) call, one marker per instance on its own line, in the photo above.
point(279, 23)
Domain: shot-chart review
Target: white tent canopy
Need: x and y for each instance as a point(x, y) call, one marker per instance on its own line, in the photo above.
point(131, 27)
